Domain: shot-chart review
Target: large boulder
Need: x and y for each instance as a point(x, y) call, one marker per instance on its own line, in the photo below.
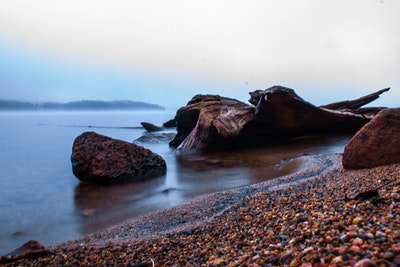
point(375, 144)
point(213, 123)
point(98, 158)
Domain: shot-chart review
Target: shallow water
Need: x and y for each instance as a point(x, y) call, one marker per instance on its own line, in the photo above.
point(42, 200)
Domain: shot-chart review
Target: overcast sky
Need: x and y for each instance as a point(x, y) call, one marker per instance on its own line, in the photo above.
point(165, 52)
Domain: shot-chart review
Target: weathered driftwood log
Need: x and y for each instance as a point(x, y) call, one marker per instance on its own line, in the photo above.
point(211, 122)
point(357, 103)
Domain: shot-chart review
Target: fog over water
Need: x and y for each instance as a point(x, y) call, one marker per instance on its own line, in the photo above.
point(165, 52)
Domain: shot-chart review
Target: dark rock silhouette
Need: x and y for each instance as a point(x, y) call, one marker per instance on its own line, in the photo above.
point(170, 124)
point(151, 127)
point(154, 128)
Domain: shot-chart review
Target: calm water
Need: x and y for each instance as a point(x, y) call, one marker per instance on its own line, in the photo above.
point(42, 200)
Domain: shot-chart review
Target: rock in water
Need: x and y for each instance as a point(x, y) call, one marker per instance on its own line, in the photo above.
point(375, 144)
point(98, 158)
point(151, 127)
point(155, 137)
point(170, 124)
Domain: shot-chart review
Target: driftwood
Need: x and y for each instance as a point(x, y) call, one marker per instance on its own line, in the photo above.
point(211, 122)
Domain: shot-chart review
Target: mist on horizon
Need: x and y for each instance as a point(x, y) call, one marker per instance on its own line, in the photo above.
point(164, 53)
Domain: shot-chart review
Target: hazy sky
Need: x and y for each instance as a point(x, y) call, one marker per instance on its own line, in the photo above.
point(165, 52)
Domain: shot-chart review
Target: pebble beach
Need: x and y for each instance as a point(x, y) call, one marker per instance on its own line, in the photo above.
point(321, 215)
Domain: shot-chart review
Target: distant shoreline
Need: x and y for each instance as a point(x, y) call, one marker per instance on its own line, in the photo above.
point(89, 105)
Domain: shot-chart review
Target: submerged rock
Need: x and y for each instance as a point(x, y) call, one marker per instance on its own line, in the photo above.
point(375, 144)
point(98, 158)
point(156, 137)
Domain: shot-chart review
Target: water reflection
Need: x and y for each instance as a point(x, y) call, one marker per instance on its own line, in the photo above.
point(189, 176)
point(97, 205)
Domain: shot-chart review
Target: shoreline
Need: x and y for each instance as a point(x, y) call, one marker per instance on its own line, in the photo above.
point(311, 216)
point(201, 209)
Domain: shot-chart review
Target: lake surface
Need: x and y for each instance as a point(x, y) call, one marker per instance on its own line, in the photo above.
point(41, 199)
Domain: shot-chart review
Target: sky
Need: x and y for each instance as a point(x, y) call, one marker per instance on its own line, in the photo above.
point(165, 52)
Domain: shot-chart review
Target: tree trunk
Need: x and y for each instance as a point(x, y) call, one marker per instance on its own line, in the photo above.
point(211, 122)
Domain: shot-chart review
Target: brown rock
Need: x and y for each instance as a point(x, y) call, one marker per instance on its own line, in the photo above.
point(98, 158)
point(30, 249)
point(375, 144)
point(31, 245)
point(365, 263)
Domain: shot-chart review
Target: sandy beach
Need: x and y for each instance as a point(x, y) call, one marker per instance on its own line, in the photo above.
point(321, 215)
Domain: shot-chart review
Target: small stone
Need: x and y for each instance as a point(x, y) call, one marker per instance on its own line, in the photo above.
point(364, 246)
point(380, 234)
point(370, 236)
point(17, 233)
point(348, 236)
point(328, 239)
point(89, 212)
point(365, 263)
point(284, 237)
point(308, 250)
point(294, 263)
point(396, 262)
point(357, 220)
point(358, 242)
point(355, 249)
point(337, 260)
point(219, 261)
point(343, 250)
point(388, 255)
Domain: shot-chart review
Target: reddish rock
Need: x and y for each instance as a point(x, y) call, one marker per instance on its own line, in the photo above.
point(375, 144)
point(98, 158)
point(30, 249)
point(31, 245)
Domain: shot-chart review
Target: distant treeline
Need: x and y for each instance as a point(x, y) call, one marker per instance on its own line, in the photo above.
point(78, 105)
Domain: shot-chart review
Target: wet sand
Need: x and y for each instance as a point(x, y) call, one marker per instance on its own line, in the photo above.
point(321, 215)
